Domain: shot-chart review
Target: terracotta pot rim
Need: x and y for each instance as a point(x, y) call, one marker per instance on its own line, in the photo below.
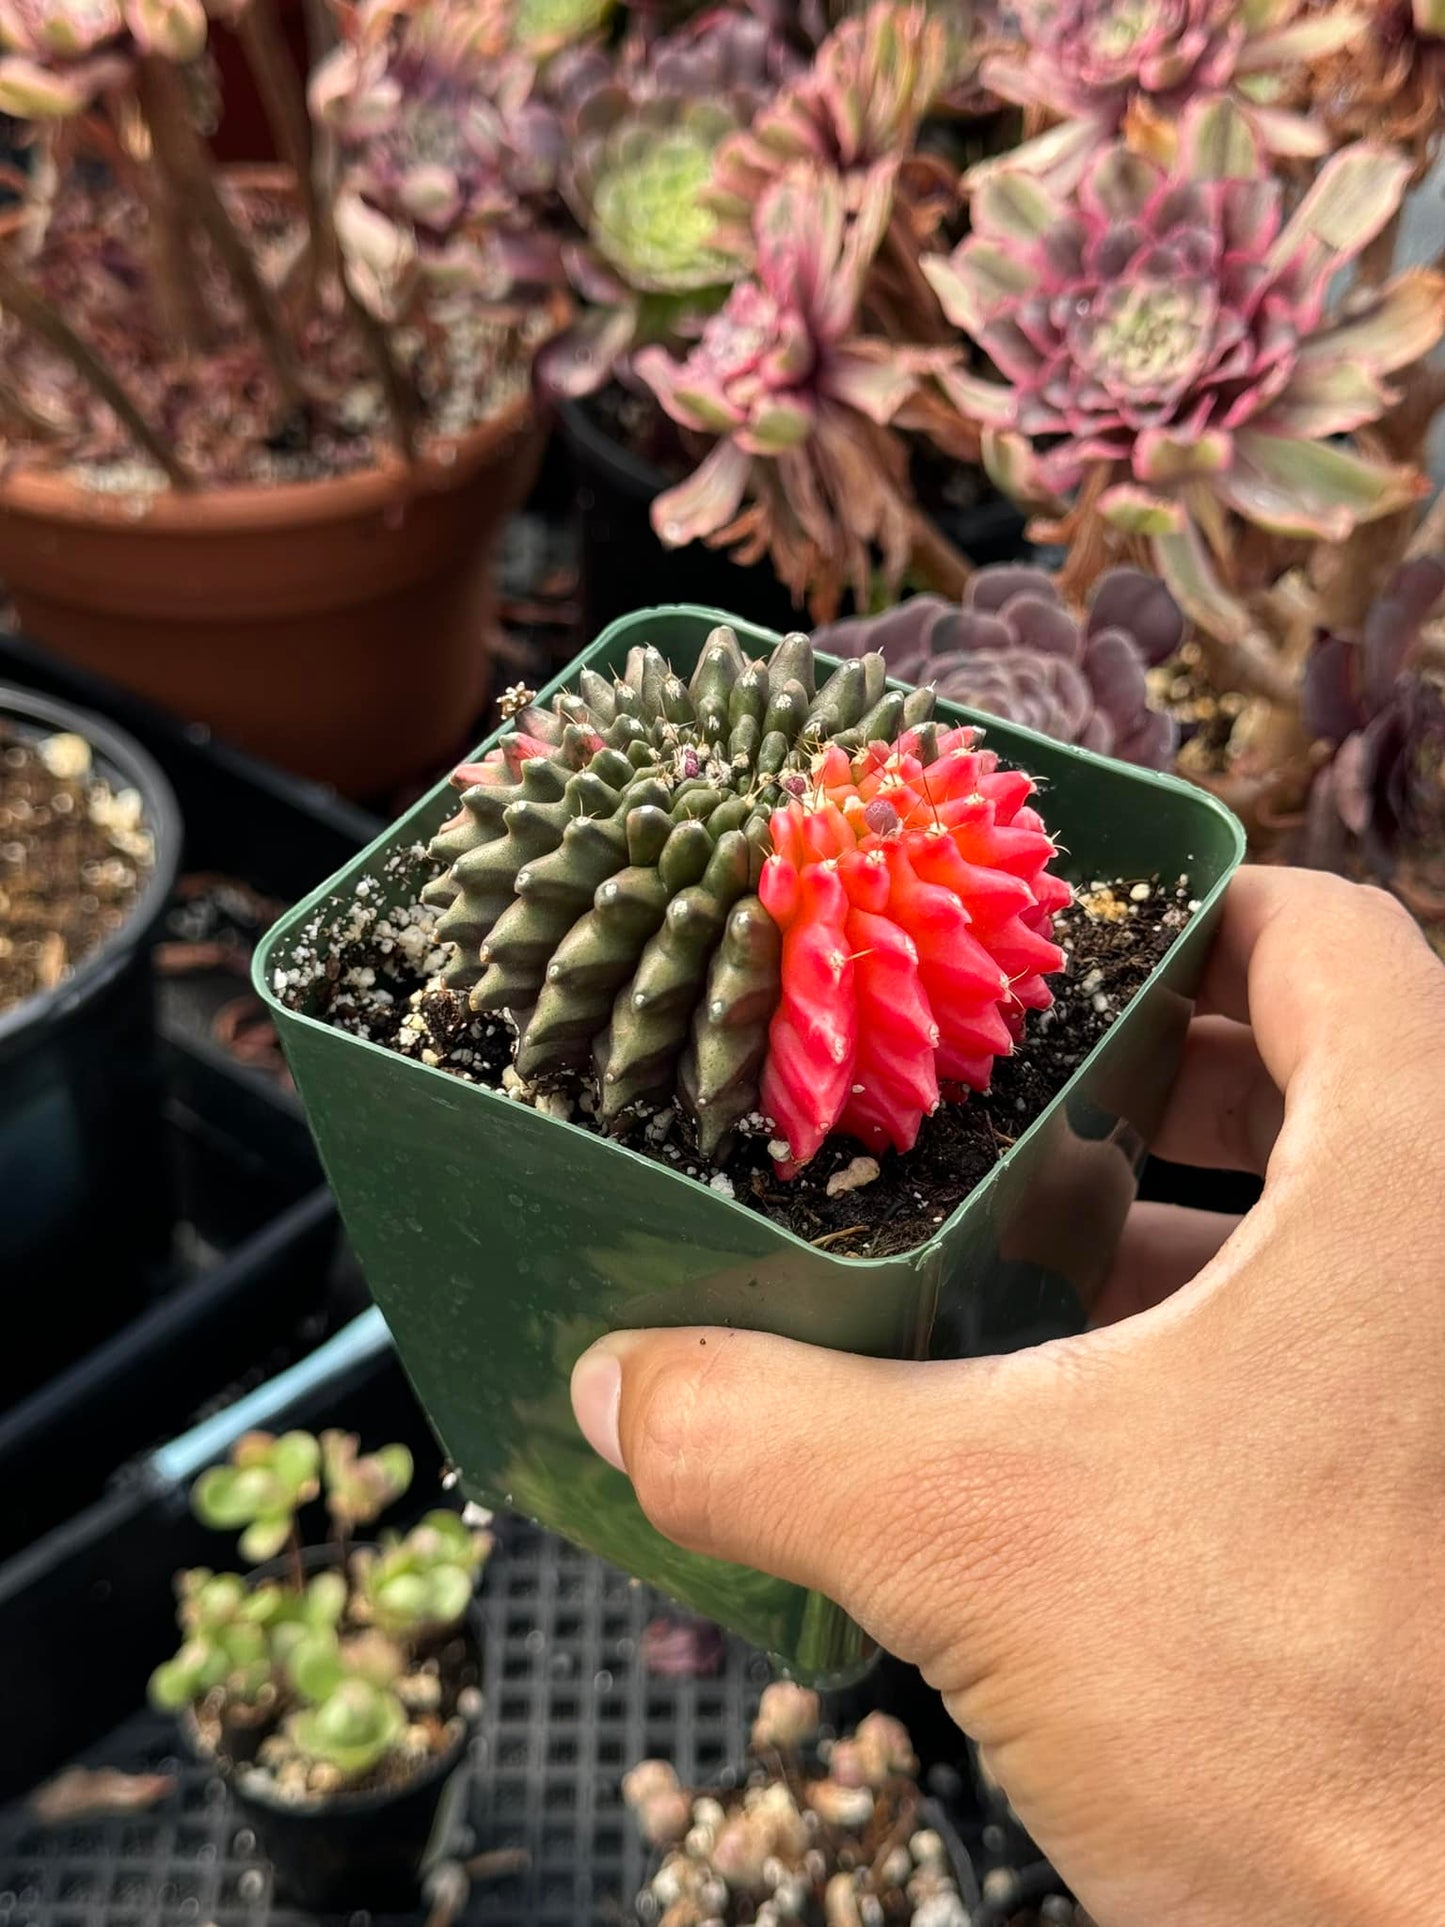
point(442, 463)
point(53, 495)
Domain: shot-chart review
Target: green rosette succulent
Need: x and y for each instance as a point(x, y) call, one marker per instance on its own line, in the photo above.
point(423, 1582)
point(600, 881)
point(644, 180)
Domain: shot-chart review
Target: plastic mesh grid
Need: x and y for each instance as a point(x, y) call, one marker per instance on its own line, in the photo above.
point(567, 1709)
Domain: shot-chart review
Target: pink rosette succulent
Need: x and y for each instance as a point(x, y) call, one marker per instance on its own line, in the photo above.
point(1165, 337)
point(57, 56)
point(1094, 65)
point(797, 399)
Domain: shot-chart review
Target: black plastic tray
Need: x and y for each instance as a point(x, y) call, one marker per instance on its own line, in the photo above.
point(568, 1705)
point(87, 1612)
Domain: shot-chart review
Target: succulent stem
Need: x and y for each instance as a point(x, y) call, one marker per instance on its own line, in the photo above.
point(258, 29)
point(935, 560)
point(51, 327)
point(182, 156)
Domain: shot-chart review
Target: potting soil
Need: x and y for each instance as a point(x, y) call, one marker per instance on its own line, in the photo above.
point(376, 978)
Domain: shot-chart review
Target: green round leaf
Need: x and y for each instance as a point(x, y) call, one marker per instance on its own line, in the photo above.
point(325, 1599)
point(225, 1496)
point(263, 1539)
point(402, 1600)
point(449, 1591)
point(315, 1666)
point(176, 1682)
point(296, 1460)
point(352, 1730)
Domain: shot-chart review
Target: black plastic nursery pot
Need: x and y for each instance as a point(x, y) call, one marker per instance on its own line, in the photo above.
point(353, 1850)
point(84, 1206)
point(245, 1276)
point(360, 1850)
point(500, 1242)
point(623, 556)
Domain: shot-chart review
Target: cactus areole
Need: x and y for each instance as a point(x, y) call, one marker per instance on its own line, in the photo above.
point(777, 907)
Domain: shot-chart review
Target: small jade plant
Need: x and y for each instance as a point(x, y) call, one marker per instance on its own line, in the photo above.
point(322, 1679)
point(815, 1829)
point(768, 902)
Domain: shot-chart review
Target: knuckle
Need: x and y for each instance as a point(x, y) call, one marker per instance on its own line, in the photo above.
point(1386, 908)
point(677, 1445)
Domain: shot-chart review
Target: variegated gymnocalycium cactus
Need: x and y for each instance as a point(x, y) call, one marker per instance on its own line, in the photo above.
point(1090, 65)
point(57, 56)
point(798, 399)
point(750, 897)
point(1166, 339)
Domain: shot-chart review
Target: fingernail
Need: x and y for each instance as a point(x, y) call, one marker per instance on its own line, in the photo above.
point(596, 1402)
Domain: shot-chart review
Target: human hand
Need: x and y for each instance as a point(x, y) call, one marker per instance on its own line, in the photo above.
point(1183, 1577)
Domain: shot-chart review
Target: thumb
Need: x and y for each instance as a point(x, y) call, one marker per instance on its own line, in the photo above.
point(910, 1493)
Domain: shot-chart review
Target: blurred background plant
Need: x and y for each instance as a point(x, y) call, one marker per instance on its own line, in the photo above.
point(832, 270)
point(325, 1672)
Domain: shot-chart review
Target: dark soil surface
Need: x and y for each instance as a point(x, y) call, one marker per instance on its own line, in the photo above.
point(376, 986)
point(74, 857)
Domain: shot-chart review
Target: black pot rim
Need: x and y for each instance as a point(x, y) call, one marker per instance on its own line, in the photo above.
point(163, 818)
point(632, 475)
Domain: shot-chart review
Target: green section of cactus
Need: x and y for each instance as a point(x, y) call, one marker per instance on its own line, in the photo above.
point(602, 892)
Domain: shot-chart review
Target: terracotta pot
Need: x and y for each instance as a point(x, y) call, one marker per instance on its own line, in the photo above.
point(244, 133)
point(337, 627)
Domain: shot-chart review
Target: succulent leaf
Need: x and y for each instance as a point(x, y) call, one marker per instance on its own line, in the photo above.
point(1165, 330)
point(424, 1580)
point(352, 1729)
point(1099, 68)
point(359, 1489)
point(1013, 649)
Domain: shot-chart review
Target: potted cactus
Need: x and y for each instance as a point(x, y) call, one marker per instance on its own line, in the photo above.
point(832, 1830)
point(260, 426)
point(736, 991)
point(334, 1687)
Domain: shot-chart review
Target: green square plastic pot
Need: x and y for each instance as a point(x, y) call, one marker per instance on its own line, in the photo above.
point(499, 1242)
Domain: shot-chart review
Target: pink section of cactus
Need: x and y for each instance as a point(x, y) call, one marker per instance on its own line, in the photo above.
point(916, 905)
